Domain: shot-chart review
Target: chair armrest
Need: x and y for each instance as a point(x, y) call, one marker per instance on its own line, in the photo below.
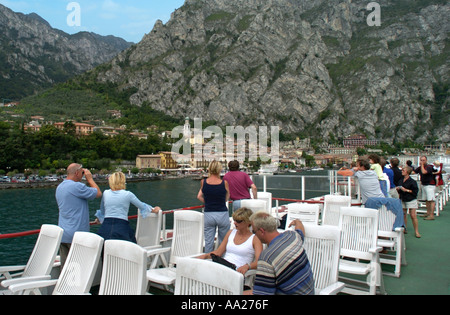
point(194, 256)
point(333, 289)
point(190, 256)
point(399, 229)
point(8, 269)
point(32, 285)
point(149, 248)
point(8, 283)
point(375, 250)
point(158, 251)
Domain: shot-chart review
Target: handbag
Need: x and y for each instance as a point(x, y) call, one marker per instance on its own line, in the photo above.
point(220, 260)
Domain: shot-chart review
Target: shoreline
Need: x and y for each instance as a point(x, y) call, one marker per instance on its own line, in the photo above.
point(39, 185)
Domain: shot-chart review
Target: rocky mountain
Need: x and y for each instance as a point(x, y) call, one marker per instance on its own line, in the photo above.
point(313, 67)
point(34, 55)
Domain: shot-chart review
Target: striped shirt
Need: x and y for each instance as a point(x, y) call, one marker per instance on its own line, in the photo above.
point(283, 268)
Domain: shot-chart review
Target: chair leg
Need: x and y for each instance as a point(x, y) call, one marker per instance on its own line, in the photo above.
point(403, 248)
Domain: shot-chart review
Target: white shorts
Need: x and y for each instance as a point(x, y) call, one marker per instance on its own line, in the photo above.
point(410, 204)
point(428, 193)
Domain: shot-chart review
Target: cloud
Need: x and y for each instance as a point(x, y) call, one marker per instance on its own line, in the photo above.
point(110, 10)
point(110, 5)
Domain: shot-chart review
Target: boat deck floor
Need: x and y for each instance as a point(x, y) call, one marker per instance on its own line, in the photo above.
point(428, 259)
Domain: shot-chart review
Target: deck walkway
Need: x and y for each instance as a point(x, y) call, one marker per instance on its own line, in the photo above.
point(428, 258)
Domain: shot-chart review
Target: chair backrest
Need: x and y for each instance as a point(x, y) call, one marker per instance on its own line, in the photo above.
point(256, 205)
point(203, 277)
point(44, 253)
point(332, 206)
point(148, 230)
point(267, 197)
point(188, 233)
point(322, 245)
point(386, 220)
point(359, 228)
point(307, 213)
point(79, 270)
point(124, 269)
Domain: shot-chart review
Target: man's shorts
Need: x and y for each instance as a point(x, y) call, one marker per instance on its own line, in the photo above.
point(428, 192)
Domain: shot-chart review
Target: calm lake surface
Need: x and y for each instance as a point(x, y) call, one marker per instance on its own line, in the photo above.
point(25, 210)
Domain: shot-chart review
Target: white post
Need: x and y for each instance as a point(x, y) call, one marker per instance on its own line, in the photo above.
point(303, 188)
point(265, 183)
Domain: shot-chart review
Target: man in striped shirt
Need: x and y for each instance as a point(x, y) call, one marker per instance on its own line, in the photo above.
point(283, 268)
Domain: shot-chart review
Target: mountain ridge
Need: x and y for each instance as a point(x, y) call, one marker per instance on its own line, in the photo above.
point(34, 55)
point(311, 67)
point(315, 68)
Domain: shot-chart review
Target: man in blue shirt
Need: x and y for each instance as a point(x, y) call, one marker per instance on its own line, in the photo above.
point(72, 197)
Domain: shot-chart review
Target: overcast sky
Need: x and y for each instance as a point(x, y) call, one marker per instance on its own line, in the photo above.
point(129, 19)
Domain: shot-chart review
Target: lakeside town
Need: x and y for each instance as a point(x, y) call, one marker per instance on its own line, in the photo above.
point(294, 156)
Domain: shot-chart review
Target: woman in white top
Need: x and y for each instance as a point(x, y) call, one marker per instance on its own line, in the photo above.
point(240, 246)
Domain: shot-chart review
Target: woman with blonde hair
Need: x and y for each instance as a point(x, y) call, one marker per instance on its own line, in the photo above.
point(214, 194)
point(240, 247)
point(114, 209)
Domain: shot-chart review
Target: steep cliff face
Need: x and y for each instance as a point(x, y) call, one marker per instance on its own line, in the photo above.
point(313, 66)
point(34, 55)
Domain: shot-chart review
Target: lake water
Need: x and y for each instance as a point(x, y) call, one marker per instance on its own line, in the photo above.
point(25, 210)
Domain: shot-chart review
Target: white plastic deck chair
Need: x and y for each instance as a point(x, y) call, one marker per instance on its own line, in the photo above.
point(267, 197)
point(391, 239)
point(307, 213)
point(41, 260)
point(79, 270)
point(203, 277)
point(332, 206)
point(148, 230)
point(322, 245)
point(187, 242)
point(148, 235)
point(256, 205)
point(359, 238)
point(124, 268)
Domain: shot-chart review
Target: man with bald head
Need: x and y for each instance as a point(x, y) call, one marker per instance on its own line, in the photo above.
point(72, 197)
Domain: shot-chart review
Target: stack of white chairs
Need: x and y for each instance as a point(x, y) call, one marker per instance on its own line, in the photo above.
point(187, 241)
point(203, 277)
point(41, 260)
point(78, 273)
